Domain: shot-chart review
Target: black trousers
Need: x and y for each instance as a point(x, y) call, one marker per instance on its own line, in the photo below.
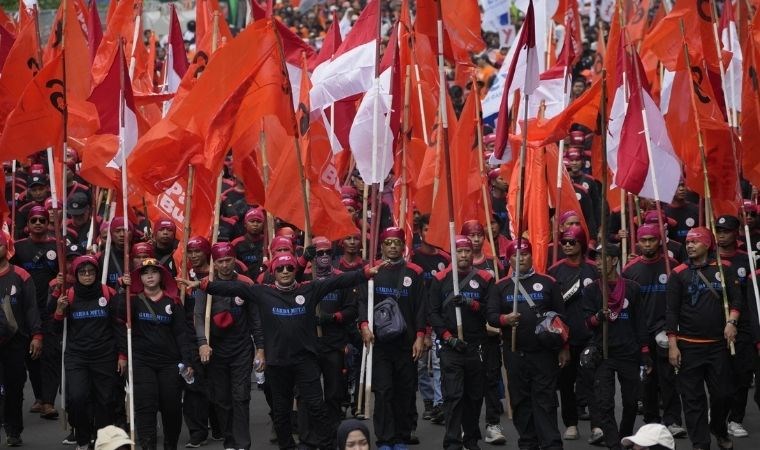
point(89, 394)
point(627, 371)
point(13, 377)
point(50, 365)
point(743, 365)
point(196, 408)
point(303, 376)
point(533, 395)
point(335, 390)
point(229, 383)
point(574, 384)
point(394, 377)
point(158, 388)
point(34, 368)
point(462, 384)
point(704, 364)
point(492, 366)
point(661, 384)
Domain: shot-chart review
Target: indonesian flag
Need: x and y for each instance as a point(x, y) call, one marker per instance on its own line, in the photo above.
point(627, 154)
point(729, 38)
point(351, 70)
point(524, 69)
point(176, 58)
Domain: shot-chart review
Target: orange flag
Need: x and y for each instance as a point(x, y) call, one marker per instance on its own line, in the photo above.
point(21, 65)
point(121, 24)
point(37, 121)
point(637, 14)
point(244, 83)
point(750, 117)
point(465, 180)
point(461, 22)
point(6, 22)
point(68, 31)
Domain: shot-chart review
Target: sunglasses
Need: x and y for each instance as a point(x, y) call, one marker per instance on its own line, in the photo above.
point(396, 242)
point(35, 220)
point(568, 242)
point(287, 268)
point(324, 252)
point(87, 272)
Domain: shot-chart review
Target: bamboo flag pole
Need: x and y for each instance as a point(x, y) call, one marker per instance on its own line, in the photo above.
point(265, 170)
point(405, 129)
point(728, 88)
point(442, 105)
point(186, 230)
point(710, 218)
point(603, 226)
point(483, 190)
point(519, 219)
point(558, 184)
point(217, 207)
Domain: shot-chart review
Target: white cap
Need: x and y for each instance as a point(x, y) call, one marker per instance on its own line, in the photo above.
point(111, 438)
point(651, 434)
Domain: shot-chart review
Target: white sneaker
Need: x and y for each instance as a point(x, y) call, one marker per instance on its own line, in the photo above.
point(736, 429)
point(571, 433)
point(495, 435)
point(677, 431)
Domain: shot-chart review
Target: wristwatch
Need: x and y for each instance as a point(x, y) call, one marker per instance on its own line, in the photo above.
point(733, 322)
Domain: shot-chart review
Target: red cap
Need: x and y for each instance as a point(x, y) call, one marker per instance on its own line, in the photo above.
point(164, 224)
point(648, 230)
point(651, 217)
point(118, 223)
point(462, 242)
point(577, 139)
point(84, 259)
point(576, 233)
point(285, 259)
point(38, 211)
point(222, 250)
point(143, 248)
point(199, 243)
point(494, 174)
point(393, 233)
point(279, 243)
point(286, 232)
point(255, 214)
point(37, 169)
point(524, 247)
point(701, 235)
point(472, 227)
point(573, 154)
point(568, 214)
point(321, 243)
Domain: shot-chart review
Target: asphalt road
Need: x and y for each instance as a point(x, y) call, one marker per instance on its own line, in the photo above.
point(46, 435)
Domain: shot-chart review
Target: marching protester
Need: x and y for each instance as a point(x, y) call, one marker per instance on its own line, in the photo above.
point(164, 236)
point(290, 342)
point(535, 359)
point(628, 357)
point(462, 369)
point(95, 348)
point(397, 342)
point(699, 335)
point(160, 343)
point(650, 272)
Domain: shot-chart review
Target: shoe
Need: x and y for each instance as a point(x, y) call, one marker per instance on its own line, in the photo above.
point(14, 441)
point(438, 416)
point(217, 438)
point(194, 444)
point(495, 435)
point(36, 407)
point(428, 413)
point(69, 440)
point(583, 414)
point(571, 433)
point(48, 412)
point(736, 429)
point(725, 443)
point(412, 439)
point(597, 436)
point(678, 431)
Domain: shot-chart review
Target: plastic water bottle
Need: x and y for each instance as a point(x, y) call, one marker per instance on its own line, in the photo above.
point(259, 375)
point(184, 371)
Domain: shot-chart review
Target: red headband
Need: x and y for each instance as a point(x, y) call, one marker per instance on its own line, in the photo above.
point(283, 260)
point(222, 250)
point(199, 243)
point(701, 235)
point(472, 227)
point(280, 242)
point(462, 242)
point(393, 233)
point(255, 214)
point(144, 248)
point(524, 244)
point(647, 230)
point(321, 243)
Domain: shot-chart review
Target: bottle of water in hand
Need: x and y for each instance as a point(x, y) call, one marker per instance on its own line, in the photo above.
point(184, 371)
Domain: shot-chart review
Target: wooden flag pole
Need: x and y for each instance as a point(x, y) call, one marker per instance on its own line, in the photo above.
point(603, 226)
point(558, 183)
point(520, 222)
point(186, 230)
point(405, 130)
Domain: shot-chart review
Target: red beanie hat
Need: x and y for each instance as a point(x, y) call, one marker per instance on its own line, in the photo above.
point(524, 244)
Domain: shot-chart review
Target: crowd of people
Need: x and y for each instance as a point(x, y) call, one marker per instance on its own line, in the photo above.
point(665, 305)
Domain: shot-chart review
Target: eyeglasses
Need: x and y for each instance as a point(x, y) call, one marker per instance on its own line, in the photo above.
point(36, 220)
point(287, 268)
point(86, 272)
point(568, 241)
point(396, 242)
point(324, 252)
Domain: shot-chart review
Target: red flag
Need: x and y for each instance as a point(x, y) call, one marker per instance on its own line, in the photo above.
point(7, 39)
point(750, 117)
point(94, 30)
point(573, 45)
point(37, 121)
point(20, 67)
point(461, 22)
point(526, 59)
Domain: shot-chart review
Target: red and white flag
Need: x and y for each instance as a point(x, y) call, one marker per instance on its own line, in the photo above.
point(523, 75)
point(729, 39)
point(627, 153)
point(351, 70)
point(176, 58)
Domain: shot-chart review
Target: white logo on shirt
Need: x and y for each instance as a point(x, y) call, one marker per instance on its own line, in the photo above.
point(51, 255)
point(441, 266)
point(689, 222)
point(717, 276)
point(474, 284)
point(102, 301)
point(407, 281)
point(168, 309)
point(663, 278)
point(238, 301)
point(587, 281)
point(300, 299)
point(538, 287)
point(741, 271)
